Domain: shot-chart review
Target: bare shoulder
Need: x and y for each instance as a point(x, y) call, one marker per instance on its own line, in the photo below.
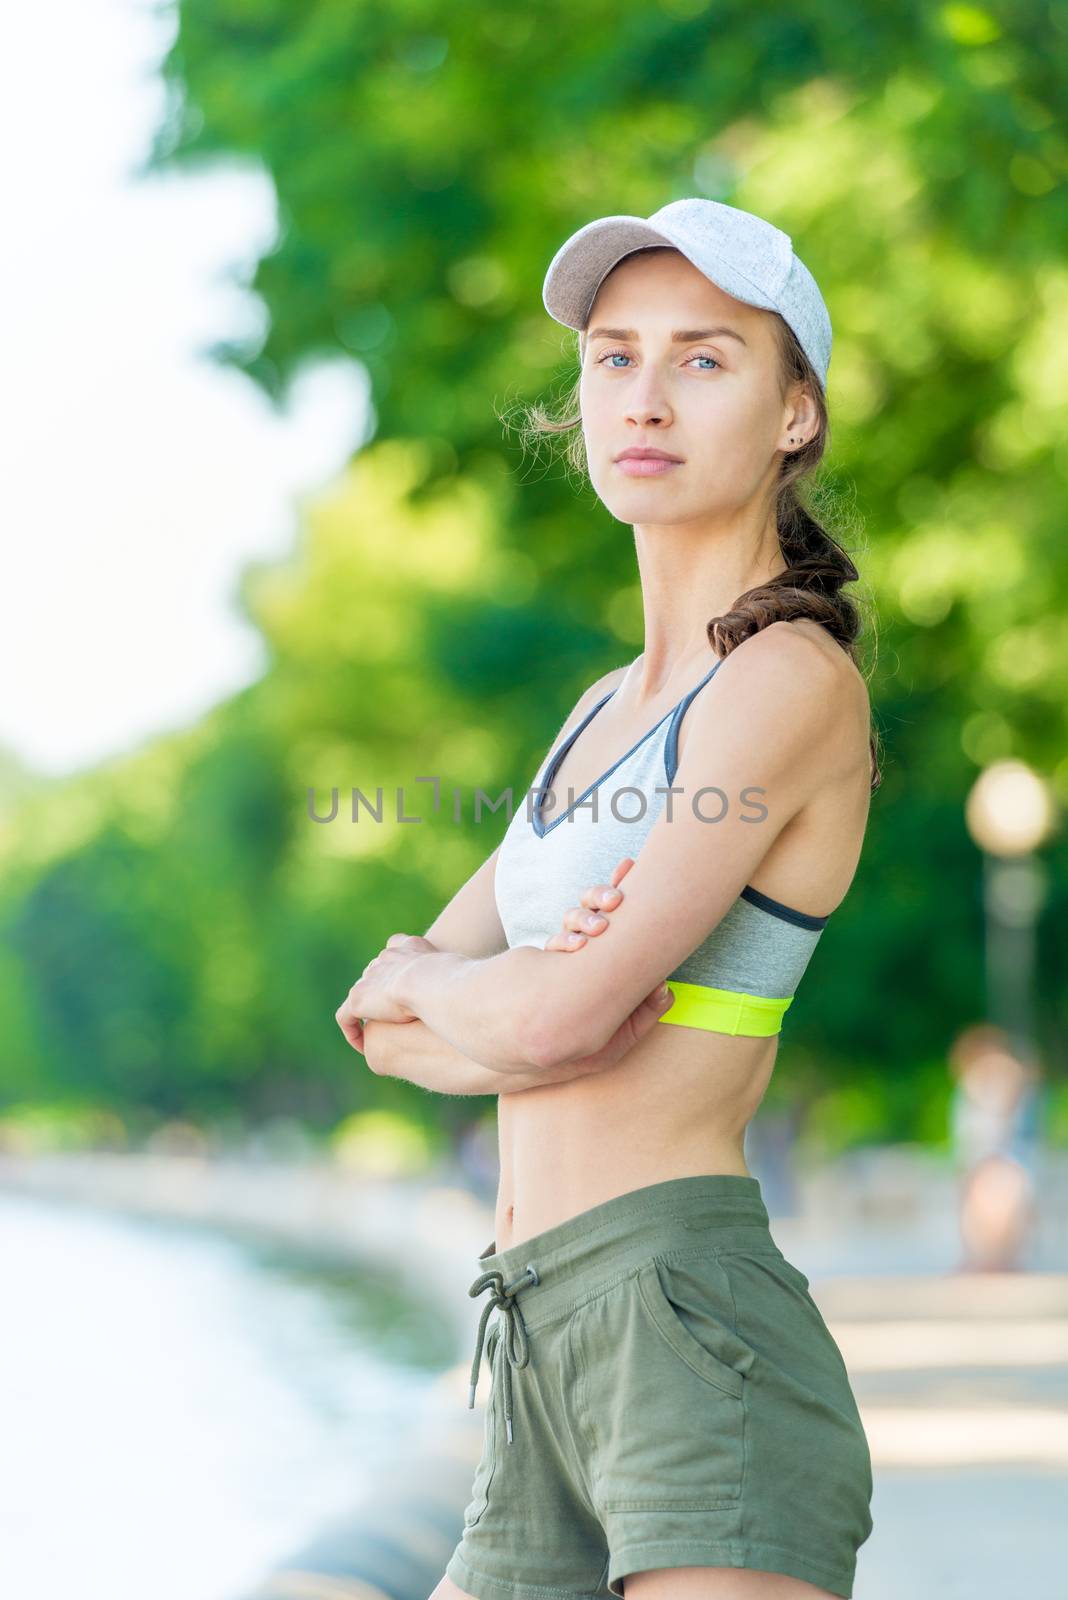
point(586, 701)
point(798, 668)
point(608, 681)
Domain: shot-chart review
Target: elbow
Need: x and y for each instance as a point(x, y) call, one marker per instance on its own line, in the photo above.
point(535, 1041)
point(551, 1040)
point(539, 1049)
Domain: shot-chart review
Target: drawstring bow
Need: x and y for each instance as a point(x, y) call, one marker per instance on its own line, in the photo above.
point(513, 1331)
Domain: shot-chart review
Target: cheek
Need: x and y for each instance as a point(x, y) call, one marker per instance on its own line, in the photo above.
point(736, 433)
point(593, 409)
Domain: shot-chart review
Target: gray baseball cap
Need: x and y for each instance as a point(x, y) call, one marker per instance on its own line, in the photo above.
point(749, 258)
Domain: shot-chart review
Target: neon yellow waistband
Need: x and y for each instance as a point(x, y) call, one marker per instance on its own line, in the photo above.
point(724, 1010)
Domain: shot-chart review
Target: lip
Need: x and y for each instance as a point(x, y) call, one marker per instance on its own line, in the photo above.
point(640, 462)
point(646, 452)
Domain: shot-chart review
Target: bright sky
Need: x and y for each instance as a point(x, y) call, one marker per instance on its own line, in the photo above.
point(136, 478)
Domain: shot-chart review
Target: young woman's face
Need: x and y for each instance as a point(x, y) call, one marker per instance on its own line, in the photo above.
point(711, 398)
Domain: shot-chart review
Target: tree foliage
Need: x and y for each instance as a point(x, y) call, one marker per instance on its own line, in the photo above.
point(449, 597)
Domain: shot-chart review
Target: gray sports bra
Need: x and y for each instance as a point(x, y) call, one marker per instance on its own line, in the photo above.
point(742, 978)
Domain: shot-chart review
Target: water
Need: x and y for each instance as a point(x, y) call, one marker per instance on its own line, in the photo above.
point(181, 1410)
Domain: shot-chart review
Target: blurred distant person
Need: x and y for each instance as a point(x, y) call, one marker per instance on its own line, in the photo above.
point(993, 1121)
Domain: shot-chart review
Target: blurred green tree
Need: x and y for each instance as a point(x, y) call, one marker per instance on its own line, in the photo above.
point(446, 603)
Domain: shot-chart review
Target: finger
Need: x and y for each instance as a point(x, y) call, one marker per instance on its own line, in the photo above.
point(644, 1018)
point(580, 921)
point(601, 897)
point(351, 1026)
point(564, 941)
point(605, 896)
point(658, 1003)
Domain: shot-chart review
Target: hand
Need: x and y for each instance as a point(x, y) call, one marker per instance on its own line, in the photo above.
point(601, 898)
point(371, 998)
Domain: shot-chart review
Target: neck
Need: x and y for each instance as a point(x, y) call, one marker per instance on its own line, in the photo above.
point(689, 575)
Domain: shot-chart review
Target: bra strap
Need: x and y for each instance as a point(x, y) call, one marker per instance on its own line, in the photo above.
point(671, 749)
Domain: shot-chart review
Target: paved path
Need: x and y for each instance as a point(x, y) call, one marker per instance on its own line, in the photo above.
point(962, 1383)
point(961, 1378)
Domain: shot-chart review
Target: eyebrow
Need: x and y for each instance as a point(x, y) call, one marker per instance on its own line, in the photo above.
point(680, 336)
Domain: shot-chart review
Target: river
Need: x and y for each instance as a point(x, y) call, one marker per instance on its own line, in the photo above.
point(181, 1409)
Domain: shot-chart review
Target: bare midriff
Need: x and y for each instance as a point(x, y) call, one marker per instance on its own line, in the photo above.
point(676, 1106)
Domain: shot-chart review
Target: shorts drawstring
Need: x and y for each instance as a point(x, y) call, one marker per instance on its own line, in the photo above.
point(513, 1337)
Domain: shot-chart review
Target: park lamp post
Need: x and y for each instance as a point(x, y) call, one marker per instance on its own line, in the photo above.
point(1009, 813)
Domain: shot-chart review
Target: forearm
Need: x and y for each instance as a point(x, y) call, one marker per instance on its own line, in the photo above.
point(486, 1009)
point(412, 1052)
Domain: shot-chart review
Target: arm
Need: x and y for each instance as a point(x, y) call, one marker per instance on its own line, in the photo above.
point(410, 1050)
point(413, 1052)
point(775, 719)
point(469, 925)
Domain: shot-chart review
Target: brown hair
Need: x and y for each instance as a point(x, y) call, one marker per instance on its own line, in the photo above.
point(818, 565)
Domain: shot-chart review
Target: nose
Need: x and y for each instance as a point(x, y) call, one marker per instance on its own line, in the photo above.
point(646, 405)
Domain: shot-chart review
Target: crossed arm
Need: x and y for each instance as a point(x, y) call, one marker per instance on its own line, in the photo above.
point(763, 734)
point(470, 925)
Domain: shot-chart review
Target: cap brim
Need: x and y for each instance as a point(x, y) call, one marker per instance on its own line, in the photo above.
point(578, 268)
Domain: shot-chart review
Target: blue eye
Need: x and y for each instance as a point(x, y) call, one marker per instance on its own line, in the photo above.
point(610, 355)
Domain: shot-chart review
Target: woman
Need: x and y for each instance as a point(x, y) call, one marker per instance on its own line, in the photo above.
point(668, 1412)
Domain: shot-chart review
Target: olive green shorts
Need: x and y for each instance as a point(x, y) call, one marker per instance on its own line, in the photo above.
point(663, 1392)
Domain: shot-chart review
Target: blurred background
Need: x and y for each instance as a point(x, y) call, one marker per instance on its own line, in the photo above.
point(273, 280)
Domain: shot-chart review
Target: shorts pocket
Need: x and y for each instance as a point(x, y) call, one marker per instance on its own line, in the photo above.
point(488, 1459)
point(718, 1355)
point(665, 1396)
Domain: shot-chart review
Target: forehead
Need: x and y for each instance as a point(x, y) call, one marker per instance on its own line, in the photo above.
point(654, 291)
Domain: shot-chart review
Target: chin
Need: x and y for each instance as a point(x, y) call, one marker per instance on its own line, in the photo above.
point(639, 495)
